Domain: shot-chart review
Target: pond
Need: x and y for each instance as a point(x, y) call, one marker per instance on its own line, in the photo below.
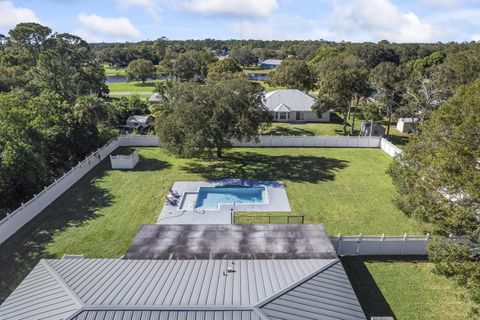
point(116, 79)
point(257, 76)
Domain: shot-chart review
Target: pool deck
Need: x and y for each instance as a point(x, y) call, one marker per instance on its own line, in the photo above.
point(277, 201)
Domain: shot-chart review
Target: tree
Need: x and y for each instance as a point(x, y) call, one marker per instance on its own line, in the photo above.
point(204, 118)
point(67, 69)
point(343, 80)
point(423, 94)
point(244, 56)
point(186, 66)
point(438, 182)
point(294, 74)
point(31, 37)
point(124, 107)
point(387, 81)
point(140, 69)
point(223, 69)
point(459, 69)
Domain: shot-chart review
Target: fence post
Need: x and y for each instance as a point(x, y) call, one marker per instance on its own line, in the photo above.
point(380, 247)
point(404, 244)
point(359, 241)
point(339, 243)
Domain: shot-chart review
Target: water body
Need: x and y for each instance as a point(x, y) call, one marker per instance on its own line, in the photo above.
point(251, 76)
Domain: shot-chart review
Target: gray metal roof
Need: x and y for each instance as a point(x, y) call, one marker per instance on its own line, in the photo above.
point(41, 295)
point(162, 241)
point(177, 289)
point(294, 99)
point(168, 315)
point(275, 62)
point(326, 295)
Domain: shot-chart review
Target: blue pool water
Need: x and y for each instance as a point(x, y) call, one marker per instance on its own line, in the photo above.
point(211, 197)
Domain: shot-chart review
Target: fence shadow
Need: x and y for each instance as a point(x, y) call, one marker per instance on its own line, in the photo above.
point(288, 131)
point(371, 298)
point(255, 166)
point(22, 251)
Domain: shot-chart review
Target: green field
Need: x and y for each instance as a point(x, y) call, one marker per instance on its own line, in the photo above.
point(407, 290)
point(132, 86)
point(109, 71)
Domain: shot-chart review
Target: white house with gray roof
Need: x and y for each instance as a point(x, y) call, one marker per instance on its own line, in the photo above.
point(293, 106)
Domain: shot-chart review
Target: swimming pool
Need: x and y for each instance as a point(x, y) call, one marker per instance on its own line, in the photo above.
point(212, 197)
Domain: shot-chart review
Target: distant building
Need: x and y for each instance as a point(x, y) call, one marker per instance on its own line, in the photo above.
point(139, 122)
point(378, 130)
point(293, 105)
point(406, 125)
point(155, 98)
point(270, 64)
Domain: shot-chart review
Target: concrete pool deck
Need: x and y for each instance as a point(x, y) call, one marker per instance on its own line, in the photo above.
point(276, 201)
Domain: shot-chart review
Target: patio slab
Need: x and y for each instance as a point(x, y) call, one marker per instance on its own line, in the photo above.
point(185, 213)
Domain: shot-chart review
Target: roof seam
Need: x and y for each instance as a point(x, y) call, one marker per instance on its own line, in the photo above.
point(63, 283)
point(167, 308)
point(267, 300)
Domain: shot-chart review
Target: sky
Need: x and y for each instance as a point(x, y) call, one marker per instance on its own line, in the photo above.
point(337, 20)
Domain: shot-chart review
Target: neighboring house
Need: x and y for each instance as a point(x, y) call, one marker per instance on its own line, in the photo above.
point(378, 130)
point(292, 105)
point(184, 286)
point(139, 122)
point(270, 64)
point(406, 125)
point(155, 98)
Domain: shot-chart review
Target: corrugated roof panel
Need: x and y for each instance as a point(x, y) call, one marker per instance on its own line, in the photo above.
point(327, 295)
point(167, 315)
point(40, 296)
point(182, 282)
point(293, 99)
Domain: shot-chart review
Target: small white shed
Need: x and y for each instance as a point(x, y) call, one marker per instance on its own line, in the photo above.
point(405, 125)
point(125, 162)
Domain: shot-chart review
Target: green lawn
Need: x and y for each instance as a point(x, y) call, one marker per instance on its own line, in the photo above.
point(407, 289)
point(333, 128)
point(345, 189)
point(132, 86)
point(109, 71)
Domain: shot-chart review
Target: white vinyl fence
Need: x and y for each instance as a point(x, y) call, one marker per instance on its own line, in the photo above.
point(312, 142)
point(391, 149)
point(381, 245)
point(27, 211)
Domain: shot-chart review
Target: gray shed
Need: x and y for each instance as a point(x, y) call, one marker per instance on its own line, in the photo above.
point(139, 122)
point(155, 98)
point(378, 130)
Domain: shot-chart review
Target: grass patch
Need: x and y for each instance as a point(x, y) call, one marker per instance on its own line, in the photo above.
point(133, 86)
point(405, 289)
point(268, 87)
point(332, 128)
point(345, 189)
point(110, 71)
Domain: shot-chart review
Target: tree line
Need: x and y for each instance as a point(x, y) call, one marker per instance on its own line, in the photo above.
point(53, 109)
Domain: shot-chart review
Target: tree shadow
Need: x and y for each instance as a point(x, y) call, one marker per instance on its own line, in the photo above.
point(398, 140)
point(255, 166)
point(289, 131)
point(151, 164)
point(79, 204)
point(369, 295)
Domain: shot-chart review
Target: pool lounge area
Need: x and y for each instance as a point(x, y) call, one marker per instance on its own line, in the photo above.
point(213, 202)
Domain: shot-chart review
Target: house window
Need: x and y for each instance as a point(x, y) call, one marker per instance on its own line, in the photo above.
point(282, 116)
point(299, 115)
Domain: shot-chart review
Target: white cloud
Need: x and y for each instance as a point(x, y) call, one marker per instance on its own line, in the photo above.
point(11, 15)
point(445, 3)
point(110, 28)
point(378, 20)
point(476, 37)
point(152, 7)
point(245, 8)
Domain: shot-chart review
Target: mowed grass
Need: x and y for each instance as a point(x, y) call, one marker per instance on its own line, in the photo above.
point(133, 86)
point(333, 128)
point(110, 71)
point(345, 189)
point(406, 289)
